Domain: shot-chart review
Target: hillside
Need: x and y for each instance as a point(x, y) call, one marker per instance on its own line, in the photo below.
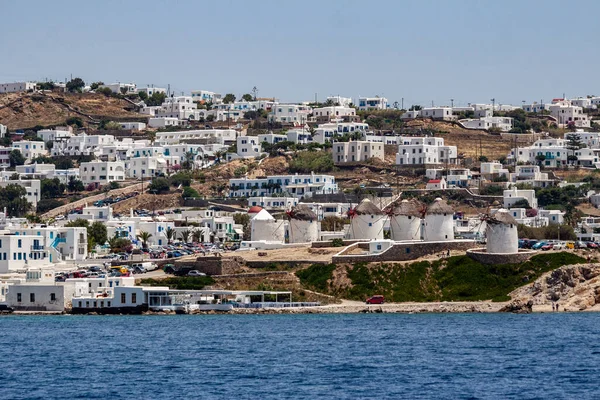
point(452, 279)
point(26, 110)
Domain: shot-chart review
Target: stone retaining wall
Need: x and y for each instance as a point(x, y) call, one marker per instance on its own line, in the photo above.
point(328, 243)
point(481, 256)
point(405, 251)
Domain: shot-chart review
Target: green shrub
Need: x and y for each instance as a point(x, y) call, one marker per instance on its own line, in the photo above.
point(316, 276)
point(312, 161)
point(189, 192)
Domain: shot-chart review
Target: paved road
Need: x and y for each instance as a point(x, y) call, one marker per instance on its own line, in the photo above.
point(137, 187)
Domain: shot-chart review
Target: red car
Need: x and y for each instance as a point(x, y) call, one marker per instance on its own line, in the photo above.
point(592, 245)
point(377, 299)
point(548, 246)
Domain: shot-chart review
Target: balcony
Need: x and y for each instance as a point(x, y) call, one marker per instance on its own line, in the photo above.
point(37, 248)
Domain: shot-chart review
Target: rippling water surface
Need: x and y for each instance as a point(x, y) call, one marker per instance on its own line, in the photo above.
point(341, 356)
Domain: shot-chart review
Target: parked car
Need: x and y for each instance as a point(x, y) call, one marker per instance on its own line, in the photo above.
point(182, 271)
point(195, 272)
point(538, 245)
point(559, 246)
point(592, 245)
point(169, 268)
point(548, 246)
point(5, 308)
point(580, 245)
point(377, 299)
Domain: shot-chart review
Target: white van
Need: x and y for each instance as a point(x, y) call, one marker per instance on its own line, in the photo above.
point(147, 266)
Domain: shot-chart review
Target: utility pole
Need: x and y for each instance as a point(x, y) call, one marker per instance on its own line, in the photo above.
point(493, 106)
point(403, 103)
point(452, 103)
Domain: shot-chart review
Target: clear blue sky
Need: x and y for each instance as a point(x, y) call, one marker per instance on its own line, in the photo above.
point(471, 51)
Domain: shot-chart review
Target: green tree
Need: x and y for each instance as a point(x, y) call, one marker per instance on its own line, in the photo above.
point(46, 85)
point(170, 234)
point(51, 188)
point(196, 235)
point(143, 96)
point(45, 205)
point(75, 85)
point(229, 98)
point(184, 235)
point(97, 234)
point(156, 99)
point(76, 121)
point(144, 237)
point(16, 158)
point(96, 85)
point(159, 185)
point(574, 143)
point(189, 192)
point(13, 198)
point(247, 97)
point(119, 244)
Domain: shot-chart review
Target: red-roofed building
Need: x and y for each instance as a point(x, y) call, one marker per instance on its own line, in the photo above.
point(437, 184)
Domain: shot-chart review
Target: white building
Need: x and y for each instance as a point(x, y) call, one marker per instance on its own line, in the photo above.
point(18, 252)
point(163, 122)
point(505, 124)
point(56, 244)
point(151, 90)
point(425, 150)
point(373, 103)
point(270, 202)
point(205, 96)
point(247, 147)
point(348, 152)
point(57, 134)
point(511, 196)
point(339, 101)
point(293, 185)
point(133, 126)
point(30, 149)
point(101, 172)
point(17, 87)
point(566, 114)
point(219, 136)
point(121, 88)
point(436, 184)
point(333, 112)
point(437, 113)
point(290, 114)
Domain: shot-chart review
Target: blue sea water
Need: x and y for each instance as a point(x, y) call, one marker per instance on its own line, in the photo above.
point(338, 356)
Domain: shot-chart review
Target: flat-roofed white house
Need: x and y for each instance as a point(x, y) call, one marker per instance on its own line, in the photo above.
point(373, 103)
point(101, 172)
point(424, 151)
point(30, 149)
point(355, 151)
point(17, 87)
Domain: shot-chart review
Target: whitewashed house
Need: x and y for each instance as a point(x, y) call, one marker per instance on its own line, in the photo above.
point(355, 151)
point(102, 172)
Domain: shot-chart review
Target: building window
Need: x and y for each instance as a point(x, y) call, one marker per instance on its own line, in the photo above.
point(32, 297)
point(123, 299)
point(18, 297)
point(52, 296)
point(134, 298)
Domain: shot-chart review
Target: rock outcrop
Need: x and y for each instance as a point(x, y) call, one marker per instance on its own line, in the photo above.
point(518, 307)
point(573, 287)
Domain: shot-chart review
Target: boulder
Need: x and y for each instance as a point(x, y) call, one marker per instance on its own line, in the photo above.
point(518, 307)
